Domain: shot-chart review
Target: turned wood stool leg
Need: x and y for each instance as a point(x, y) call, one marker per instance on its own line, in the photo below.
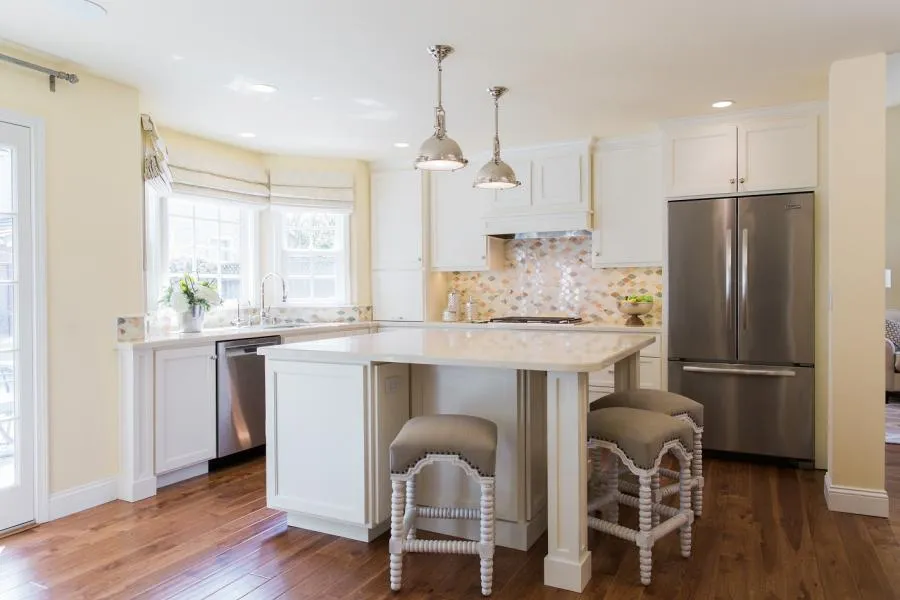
point(396, 541)
point(654, 494)
point(645, 521)
point(685, 505)
point(411, 505)
point(697, 473)
point(486, 549)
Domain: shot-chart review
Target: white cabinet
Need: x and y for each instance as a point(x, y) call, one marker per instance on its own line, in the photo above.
point(185, 402)
point(628, 203)
point(778, 154)
point(397, 220)
point(398, 295)
point(651, 371)
point(398, 246)
point(754, 155)
point(458, 242)
point(701, 161)
point(554, 195)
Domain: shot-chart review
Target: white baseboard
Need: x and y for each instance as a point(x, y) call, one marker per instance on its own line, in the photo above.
point(173, 477)
point(82, 497)
point(859, 501)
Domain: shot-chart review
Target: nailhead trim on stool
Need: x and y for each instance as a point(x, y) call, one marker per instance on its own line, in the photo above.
point(650, 509)
point(404, 512)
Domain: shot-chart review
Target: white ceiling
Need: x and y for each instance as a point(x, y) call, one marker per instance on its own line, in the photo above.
point(574, 67)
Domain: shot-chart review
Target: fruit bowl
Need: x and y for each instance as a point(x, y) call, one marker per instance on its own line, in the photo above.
point(635, 306)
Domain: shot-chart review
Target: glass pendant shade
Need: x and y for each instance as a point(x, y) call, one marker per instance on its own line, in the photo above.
point(439, 152)
point(496, 174)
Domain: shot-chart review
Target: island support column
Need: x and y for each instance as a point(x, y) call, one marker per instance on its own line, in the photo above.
point(568, 561)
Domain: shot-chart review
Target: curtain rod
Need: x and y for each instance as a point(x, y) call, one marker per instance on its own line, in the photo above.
point(53, 73)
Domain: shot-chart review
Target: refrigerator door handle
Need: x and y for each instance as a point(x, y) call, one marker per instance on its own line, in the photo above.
point(728, 275)
point(744, 282)
point(739, 371)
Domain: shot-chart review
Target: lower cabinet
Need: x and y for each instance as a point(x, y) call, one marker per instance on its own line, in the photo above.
point(185, 402)
point(650, 366)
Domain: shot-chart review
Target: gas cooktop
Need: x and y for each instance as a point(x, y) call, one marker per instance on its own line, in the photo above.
point(551, 320)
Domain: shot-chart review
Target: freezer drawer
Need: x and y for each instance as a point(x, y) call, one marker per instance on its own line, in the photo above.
point(752, 409)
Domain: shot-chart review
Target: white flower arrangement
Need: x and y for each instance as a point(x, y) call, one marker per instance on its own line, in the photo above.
point(187, 293)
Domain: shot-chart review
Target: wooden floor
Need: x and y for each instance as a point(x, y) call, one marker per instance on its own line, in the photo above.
point(765, 533)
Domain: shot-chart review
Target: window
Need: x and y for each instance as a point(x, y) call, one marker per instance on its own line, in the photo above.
point(211, 238)
point(312, 254)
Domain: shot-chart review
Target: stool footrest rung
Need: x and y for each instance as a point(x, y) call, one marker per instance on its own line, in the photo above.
point(447, 512)
point(441, 546)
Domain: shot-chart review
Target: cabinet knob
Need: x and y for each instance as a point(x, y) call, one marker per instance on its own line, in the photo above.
point(483, 257)
point(419, 259)
point(731, 180)
point(596, 254)
point(741, 180)
point(213, 357)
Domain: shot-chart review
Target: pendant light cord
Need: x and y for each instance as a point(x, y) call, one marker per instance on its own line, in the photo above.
point(440, 128)
point(496, 129)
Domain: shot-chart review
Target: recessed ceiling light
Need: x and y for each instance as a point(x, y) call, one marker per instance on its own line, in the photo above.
point(177, 57)
point(247, 135)
point(262, 88)
point(401, 144)
point(722, 103)
point(317, 98)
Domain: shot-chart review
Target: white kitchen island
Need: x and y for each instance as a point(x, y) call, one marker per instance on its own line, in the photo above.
point(334, 406)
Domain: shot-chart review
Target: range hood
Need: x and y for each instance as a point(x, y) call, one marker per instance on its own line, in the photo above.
point(537, 235)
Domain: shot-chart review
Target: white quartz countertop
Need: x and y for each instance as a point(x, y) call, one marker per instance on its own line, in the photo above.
point(529, 326)
point(169, 340)
point(496, 348)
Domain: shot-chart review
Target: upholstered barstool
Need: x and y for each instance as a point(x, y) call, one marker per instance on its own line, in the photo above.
point(639, 439)
point(470, 443)
point(674, 405)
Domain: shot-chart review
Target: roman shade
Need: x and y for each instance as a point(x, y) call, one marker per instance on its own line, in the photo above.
point(326, 191)
point(200, 168)
point(156, 158)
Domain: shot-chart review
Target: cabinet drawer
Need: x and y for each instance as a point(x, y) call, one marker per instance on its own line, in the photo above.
point(650, 375)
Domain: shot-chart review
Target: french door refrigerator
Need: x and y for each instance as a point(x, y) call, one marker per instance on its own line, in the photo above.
point(741, 320)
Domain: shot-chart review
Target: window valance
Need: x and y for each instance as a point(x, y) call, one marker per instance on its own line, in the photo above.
point(156, 157)
point(329, 191)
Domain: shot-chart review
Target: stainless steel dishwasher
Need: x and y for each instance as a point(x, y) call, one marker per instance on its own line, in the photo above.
point(241, 394)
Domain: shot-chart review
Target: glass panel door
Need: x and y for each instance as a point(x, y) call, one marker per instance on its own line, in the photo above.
point(16, 329)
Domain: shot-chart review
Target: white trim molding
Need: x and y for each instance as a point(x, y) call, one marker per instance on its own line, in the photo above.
point(42, 509)
point(860, 501)
point(82, 497)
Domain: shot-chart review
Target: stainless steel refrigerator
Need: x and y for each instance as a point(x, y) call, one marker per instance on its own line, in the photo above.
point(741, 320)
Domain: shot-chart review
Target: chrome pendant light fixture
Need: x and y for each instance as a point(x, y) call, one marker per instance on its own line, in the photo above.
point(440, 153)
point(496, 174)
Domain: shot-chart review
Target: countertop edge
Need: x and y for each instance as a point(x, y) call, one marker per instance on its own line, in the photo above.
point(654, 330)
point(234, 333)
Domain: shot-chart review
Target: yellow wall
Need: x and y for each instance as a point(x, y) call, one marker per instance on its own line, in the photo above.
point(93, 203)
point(856, 188)
point(892, 214)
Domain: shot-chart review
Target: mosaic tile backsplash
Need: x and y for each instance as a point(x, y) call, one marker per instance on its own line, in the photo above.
point(554, 275)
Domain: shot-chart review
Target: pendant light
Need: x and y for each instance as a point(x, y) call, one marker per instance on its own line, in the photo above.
point(440, 153)
point(496, 174)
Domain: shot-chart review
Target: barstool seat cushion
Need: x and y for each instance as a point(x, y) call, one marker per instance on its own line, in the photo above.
point(640, 434)
point(659, 401)
point(472, 439)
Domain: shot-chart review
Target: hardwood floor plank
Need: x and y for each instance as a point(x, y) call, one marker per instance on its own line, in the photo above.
point(765, 533)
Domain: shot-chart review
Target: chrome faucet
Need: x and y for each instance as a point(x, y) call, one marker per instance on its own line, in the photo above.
point(263, 311)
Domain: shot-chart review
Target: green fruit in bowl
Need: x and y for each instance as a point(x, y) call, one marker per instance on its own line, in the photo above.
point(646, 298)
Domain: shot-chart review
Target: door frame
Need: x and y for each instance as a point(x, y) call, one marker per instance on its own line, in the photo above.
point(39, 254)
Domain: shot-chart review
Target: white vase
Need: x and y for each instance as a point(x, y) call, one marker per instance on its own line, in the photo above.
point(192, 320)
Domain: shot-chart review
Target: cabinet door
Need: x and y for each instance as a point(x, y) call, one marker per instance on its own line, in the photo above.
point(398, 295)
point(185, 407)
point(458, 242)
point(560, 181)
point(628, 208)
point(516, 200)
point(397, 220)
point(778, 154)
point(700, 161)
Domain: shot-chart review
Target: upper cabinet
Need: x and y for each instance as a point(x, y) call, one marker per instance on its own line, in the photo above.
point(458, 242)
point(555, 193)
point(778, 154)
point(755, 155)
point(628, 203)
point(701, 161)
point(397, 241)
